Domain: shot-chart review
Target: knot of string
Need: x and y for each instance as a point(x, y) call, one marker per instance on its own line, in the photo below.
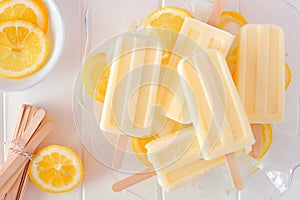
point(16, 149)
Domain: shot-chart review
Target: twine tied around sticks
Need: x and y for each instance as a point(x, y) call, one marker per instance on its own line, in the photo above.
point(16, 149)
point(19, 151)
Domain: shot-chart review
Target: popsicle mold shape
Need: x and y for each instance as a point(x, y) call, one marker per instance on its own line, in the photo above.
point(131, 90)
point(260, 72)
point(220, 122)
point(181, 165)
point(194, 36)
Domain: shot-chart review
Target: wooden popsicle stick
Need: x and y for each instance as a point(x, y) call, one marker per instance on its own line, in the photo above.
point(24, 119)
point(15, 163)
point(216, 12)
point(32, 127)
point(10, 182)
point(235, 174)
point(33, 111)
point(12, 166)
point(23, 183)
point(13, 191)
point(18, 127)
point(20, 118)
point(257, 133)
point(132, 180)
point(11, 194)
point(120, 151)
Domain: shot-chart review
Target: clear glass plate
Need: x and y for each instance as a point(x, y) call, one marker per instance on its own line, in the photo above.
point(273, 175)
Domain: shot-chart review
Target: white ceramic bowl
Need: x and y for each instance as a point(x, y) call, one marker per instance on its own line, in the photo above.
point(55, 35)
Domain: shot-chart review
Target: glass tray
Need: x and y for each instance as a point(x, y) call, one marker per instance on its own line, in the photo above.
point(270, 177)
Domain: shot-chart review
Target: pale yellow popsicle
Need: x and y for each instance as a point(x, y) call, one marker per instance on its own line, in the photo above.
point(220, 121)
point(195, 36)
point(131, 90)
point(176, 159)
point(260, 72)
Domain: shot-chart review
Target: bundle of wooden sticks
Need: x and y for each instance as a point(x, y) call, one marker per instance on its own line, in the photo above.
point(32, 128)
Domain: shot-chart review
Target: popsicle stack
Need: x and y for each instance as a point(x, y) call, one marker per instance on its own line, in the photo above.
point(218, 107)
point(32, 128)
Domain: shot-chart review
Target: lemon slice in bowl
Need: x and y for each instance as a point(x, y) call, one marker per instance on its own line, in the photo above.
point(95, 76)
point(33, 11)
point(56, 169)
point(23, 48)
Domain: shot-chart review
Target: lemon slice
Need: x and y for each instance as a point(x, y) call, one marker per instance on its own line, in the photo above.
point(288, 75)
point(231, 22)
point(266, 140)
point(23, 49)
point(95, 76)
point(167, 18)
point(138, 145)
point(33, 11)
point(56, 169)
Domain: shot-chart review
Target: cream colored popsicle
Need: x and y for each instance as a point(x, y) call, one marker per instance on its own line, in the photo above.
point(207, 36)
point(176, 159)
point(260, 72)
point(217, 113)
point(194, 36)
point(131, 91)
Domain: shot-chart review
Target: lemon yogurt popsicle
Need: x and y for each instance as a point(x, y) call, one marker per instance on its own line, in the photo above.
point(220, 122)
point(194, 35)
point(176, 159)
point(130, 92)
point(260, 72)
point(260, 76)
